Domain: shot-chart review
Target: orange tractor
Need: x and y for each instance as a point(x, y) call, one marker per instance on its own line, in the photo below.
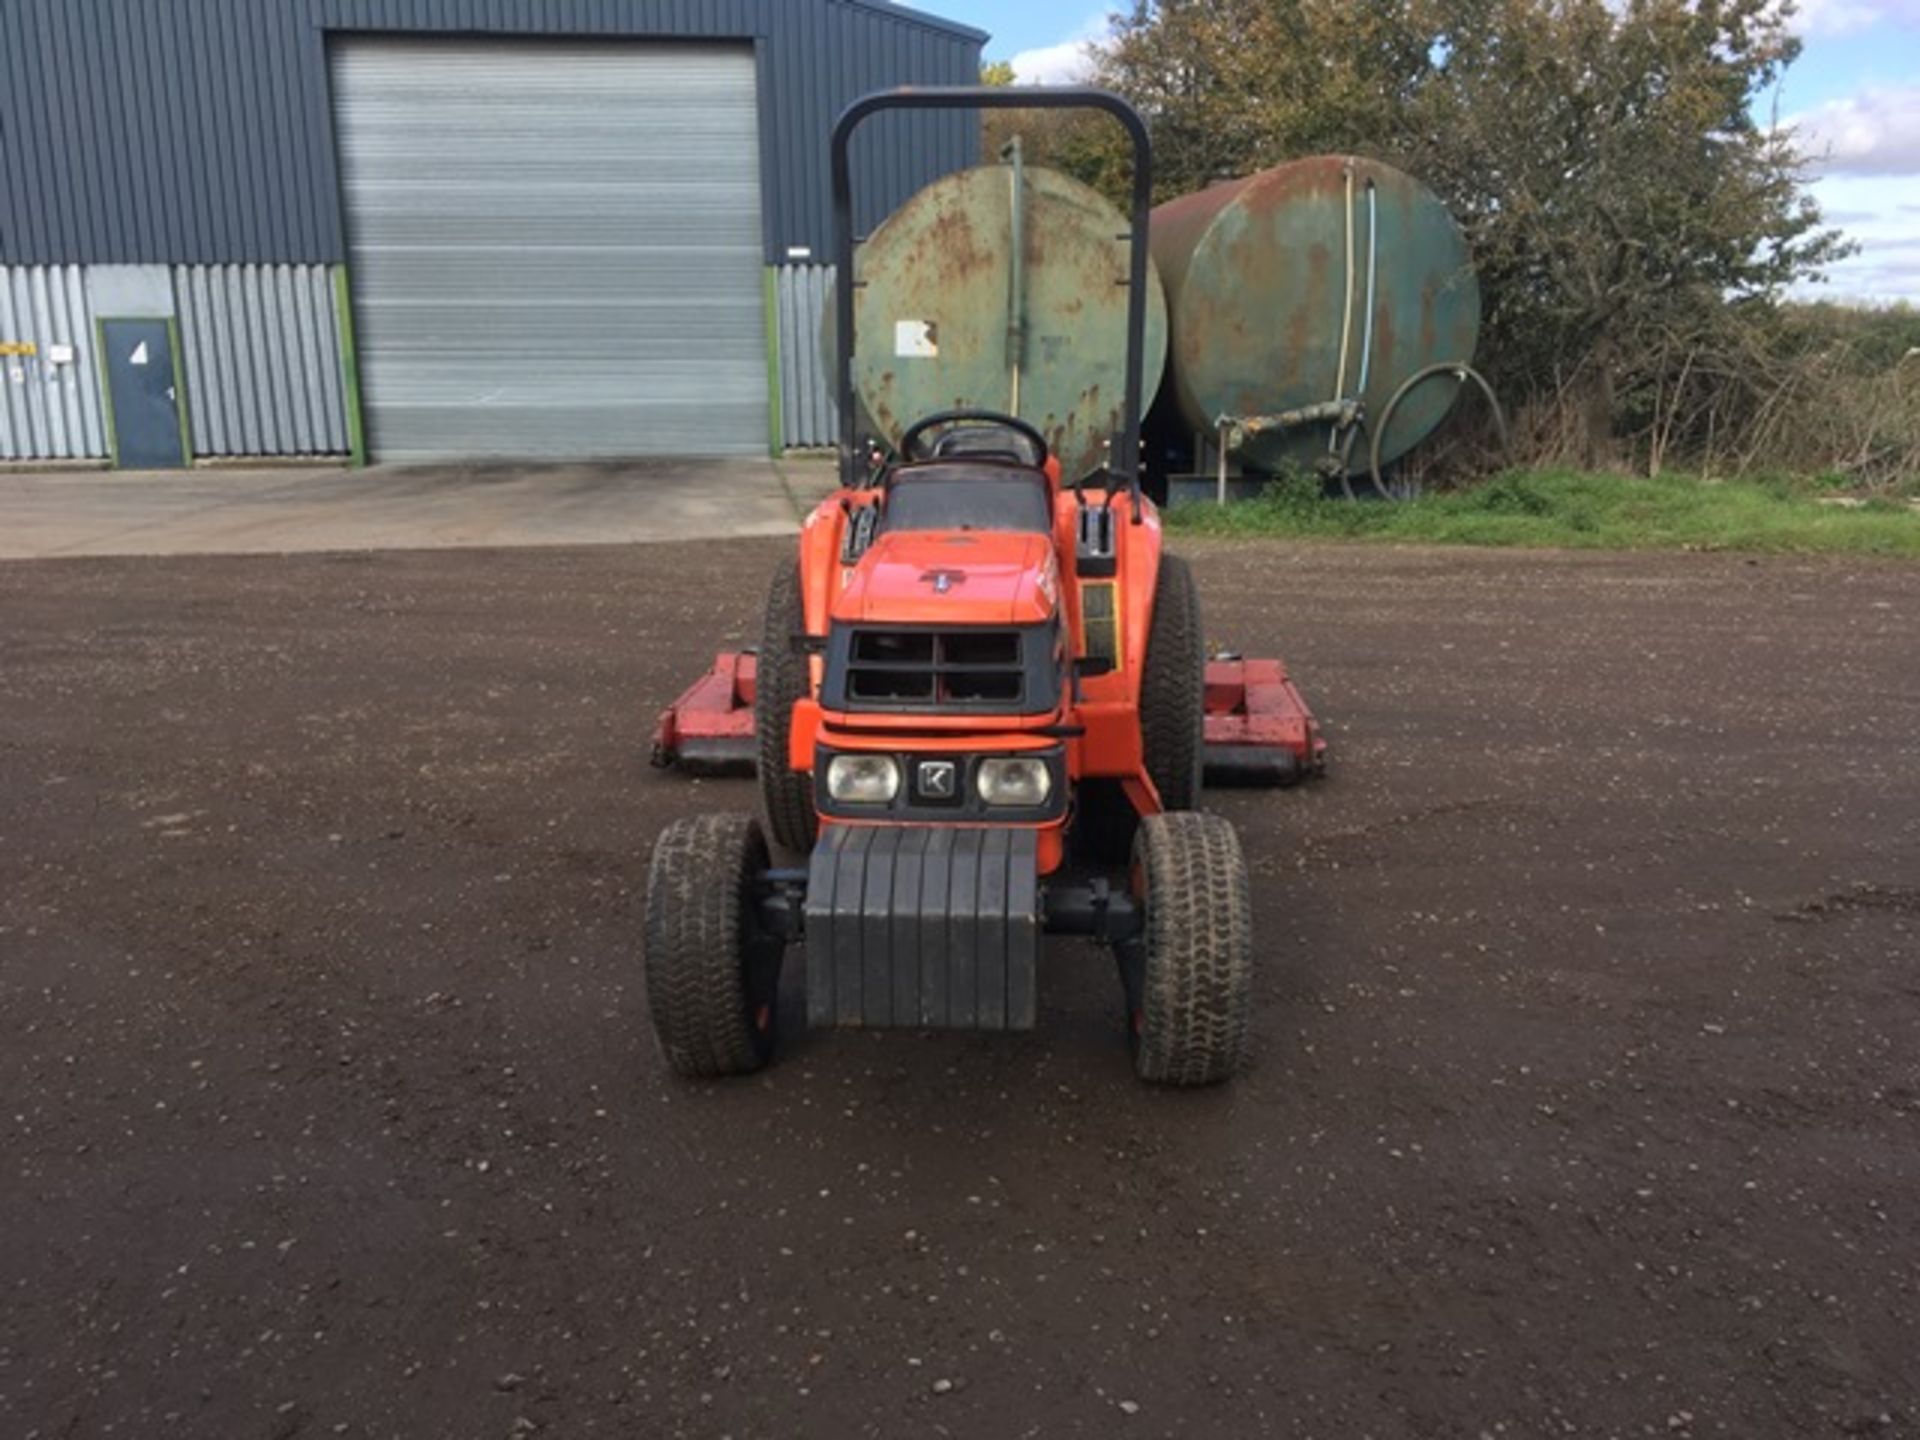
point(982, 709)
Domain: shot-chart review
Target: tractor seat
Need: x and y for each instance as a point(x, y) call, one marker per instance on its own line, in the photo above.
point(986, 442)
point(969, 495)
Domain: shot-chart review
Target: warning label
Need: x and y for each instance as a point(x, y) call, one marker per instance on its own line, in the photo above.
point(915, 339)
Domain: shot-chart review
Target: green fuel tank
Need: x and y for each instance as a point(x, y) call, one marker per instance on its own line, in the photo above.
point(1002, 287)
point(1320, 281)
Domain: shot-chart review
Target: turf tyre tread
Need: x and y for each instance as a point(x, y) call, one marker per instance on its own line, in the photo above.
point(781, 678)
point(1173, 688)
point(703, 951)
point(1196, 996)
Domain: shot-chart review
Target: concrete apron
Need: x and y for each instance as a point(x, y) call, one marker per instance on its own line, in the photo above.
point(283, 510)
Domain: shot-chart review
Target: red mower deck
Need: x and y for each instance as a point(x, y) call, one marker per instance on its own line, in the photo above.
point(1259, 730)
point(709, 729)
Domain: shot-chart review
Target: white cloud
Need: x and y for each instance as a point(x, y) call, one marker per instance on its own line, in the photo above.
point(1053, 64)
point(1876, 132)
point(1850, 17)
point(1064, 62)
point(1882, 212)
point(1834, 17)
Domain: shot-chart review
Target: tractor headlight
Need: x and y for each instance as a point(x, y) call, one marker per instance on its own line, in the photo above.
point(863, 779)
point(1011, 781)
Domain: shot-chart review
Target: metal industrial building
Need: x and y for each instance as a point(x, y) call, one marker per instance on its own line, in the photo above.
point(433, 229)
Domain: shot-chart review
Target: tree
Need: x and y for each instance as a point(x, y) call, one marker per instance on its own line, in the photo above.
point(1071, 140)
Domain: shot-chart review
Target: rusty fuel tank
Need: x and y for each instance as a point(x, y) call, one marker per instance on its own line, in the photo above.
point(1300, 289)
point(1002, 288)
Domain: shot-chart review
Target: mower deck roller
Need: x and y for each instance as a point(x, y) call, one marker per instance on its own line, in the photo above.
point(981, 710)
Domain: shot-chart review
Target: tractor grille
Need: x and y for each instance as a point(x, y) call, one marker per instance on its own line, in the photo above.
point(943, 666)
point(1007, 672)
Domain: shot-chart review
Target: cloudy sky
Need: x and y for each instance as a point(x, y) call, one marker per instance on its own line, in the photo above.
point(1854, 98)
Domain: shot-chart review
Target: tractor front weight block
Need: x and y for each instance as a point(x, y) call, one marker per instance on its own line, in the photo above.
point(930, 926)
point(936, 927)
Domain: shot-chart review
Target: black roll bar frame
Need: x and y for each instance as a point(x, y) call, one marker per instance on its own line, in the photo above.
point(1125, 464)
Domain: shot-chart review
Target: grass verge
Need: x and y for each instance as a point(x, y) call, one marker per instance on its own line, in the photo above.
point(1583, 511)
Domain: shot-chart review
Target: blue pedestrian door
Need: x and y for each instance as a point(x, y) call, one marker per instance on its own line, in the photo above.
point(144, 394)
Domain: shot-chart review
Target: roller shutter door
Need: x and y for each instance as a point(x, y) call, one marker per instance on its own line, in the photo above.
point(555, 247)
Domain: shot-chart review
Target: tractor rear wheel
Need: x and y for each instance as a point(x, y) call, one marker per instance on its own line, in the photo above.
point(1195, 993)
point(781, 678)
point(1173, 688)
point(712, 971)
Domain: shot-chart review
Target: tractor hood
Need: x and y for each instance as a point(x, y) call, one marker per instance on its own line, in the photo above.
point(973, 577)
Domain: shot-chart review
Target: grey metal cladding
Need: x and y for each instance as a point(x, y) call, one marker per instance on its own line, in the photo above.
point(924, 926)
point(49, 400)
point(261, 344)
point(200, 131)
point(806, 394)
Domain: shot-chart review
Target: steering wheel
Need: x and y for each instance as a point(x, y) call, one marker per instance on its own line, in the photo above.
point(910, 443)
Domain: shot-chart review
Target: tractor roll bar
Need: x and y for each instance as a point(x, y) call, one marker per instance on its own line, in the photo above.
point(1125, 465)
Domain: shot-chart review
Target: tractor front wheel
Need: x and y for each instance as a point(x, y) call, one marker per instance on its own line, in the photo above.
point(782, 678)
point(1173, 697)
point(712, 969)
point(1194, 996)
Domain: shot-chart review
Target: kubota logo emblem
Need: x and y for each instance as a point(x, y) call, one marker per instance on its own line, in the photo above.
point(936, 779)
point(944, 580)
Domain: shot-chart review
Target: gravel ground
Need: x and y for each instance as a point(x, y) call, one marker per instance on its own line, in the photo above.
point(1585, 1098)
